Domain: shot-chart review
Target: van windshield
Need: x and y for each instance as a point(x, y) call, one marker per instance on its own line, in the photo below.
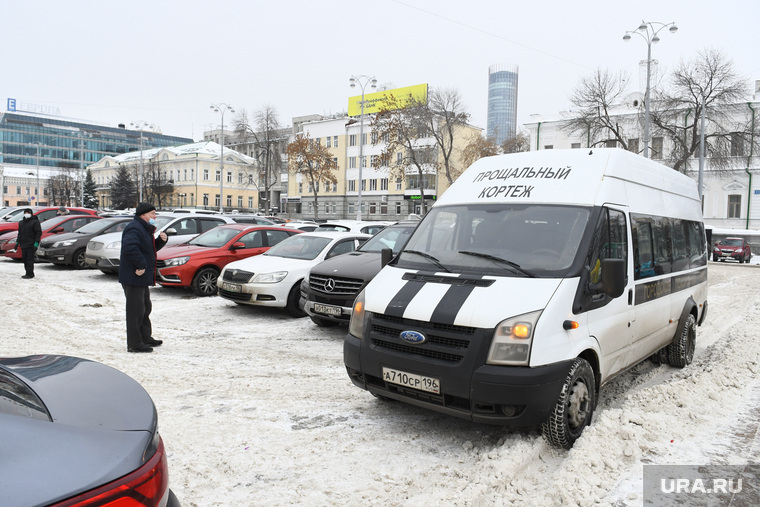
point(497, 239)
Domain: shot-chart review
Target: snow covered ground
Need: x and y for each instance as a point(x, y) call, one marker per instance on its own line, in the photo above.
point(255, 407)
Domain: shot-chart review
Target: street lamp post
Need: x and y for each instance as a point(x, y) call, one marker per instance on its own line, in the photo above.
point(82, 173)
point(140, 124)
point(38, 172)
point(363, 81)
point(648, 31)
point(222, 108)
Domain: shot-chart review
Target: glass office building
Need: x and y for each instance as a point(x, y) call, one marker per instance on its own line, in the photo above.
point(56, 143)
point(502, 102)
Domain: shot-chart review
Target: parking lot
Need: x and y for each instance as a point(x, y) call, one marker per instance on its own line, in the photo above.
point(255, 407)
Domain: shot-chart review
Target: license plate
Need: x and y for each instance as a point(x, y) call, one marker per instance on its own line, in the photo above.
point(232, 287)
point(327, 309)
point(402, 378)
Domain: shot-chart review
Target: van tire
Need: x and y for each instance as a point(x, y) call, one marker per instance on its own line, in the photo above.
point(574, 407)
point(681, 351)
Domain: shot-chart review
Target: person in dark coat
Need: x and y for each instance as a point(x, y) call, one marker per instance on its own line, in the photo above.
point(137, 272)
point(28, 239)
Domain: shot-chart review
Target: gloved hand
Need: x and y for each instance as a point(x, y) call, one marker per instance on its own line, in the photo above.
point(36, 244)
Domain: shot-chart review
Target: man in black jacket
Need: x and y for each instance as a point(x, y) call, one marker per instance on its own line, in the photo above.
point(137, 272)
point(28, 239)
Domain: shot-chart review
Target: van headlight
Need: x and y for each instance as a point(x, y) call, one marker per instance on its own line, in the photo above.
point(274, 277)
point(356, 324)
point(512, 339)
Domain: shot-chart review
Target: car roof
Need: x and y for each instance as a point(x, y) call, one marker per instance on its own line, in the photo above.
point(337, 234)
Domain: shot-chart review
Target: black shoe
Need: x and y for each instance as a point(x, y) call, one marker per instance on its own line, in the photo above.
point(141, 348)
point(27, 276)
point(153, 342)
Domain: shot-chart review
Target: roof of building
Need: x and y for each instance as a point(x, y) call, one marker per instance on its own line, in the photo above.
point(208, 148)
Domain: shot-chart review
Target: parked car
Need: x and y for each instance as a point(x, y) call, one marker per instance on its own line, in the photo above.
point(328, 293)
point(274, 278)
point(242, 218)
point(193, 210)
point(302, 225)
point(732, 248)
point(78, 432)
point(365, 227)
point(103, 251)
point(69, 248)
point(43, 213)
point(9, 212)
point(197, 263)
point(51, 227)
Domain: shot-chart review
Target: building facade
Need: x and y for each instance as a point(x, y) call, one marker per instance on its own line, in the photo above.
point(62, 147)
point(191, 175)
point(502, 102)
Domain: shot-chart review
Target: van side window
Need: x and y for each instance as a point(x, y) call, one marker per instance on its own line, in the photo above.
point(666, 245)
point(610, 242)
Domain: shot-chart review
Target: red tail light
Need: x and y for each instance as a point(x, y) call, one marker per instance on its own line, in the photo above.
point(145, 487)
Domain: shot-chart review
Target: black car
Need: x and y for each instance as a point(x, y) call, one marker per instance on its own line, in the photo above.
point(328, 294)
point(78, 432)
point(69, 248)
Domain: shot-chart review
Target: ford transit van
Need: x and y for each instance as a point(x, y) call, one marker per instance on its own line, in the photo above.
point(535, 279)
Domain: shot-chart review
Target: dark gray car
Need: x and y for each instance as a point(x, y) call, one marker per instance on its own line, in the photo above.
point(69, 248)
point(74, 429)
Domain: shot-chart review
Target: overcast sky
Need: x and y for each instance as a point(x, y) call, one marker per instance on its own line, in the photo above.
point(164, 62)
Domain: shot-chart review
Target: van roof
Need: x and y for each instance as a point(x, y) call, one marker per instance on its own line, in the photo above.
point(587, 177)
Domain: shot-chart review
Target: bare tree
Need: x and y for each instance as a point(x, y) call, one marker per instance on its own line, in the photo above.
point(593, 101)
point(477, 148)
point(62, 188)
point(519, 143)
point(709, 86)
point(313, 162)
point(446, 114)
point(157, 185)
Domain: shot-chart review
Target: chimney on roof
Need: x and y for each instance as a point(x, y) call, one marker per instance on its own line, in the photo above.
point(122, 126)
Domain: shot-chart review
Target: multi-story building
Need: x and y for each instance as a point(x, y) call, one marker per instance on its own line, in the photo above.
point(502, 102)
point(730, 195)
point(59, 146)
point(192, 172)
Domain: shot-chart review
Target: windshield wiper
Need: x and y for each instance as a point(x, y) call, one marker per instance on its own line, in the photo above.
point(428, 257)
point(511, 264)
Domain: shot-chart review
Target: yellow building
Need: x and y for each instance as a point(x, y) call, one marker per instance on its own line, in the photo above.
point(187, 176)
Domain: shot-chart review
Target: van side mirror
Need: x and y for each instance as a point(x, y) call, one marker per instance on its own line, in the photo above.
point(386, 254)
point(613, 277)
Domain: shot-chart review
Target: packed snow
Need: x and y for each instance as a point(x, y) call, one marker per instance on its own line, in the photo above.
point(255, 407)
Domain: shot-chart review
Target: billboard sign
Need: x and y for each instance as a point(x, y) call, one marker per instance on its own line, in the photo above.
point(373, 102)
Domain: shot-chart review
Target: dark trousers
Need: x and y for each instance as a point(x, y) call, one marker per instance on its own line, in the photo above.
point(27, 255)
point(138, 315)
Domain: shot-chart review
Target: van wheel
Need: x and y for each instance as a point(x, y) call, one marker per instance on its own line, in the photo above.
point(293, 306)
point(323, 322)
point(574, 407)
point(681, 351)
point(204, 282)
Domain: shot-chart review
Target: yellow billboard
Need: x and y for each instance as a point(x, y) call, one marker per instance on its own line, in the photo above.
point(373, 102)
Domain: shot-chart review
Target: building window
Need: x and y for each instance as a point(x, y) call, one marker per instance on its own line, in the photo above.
point(610, 143)
point(352, 162)
point(575, 146)
point(364, 185)
point(205, 199)
point(229, 176)
point(352, 140)
point(351, 208)
point(205, 175)
point(328, 142)
point(398, 183)
point(384, 184)
point(373, 184)
point(374, 138)
point(218, 175)
point(240, 201)
point(300, 187)
point(548, 146)
point(656, 148)
point(373, 161)
point(737, 145)
point(633, 145)
point(229, 201)
point(372, 208)
point(364, 161)
point(364, 138)
point(250, 202)
point(335, 141)
point(383, 208)
point(241, 179)
point(351, 186)
point(398, 208)
point(335, 163)
point(398, 158)
point(734, 206)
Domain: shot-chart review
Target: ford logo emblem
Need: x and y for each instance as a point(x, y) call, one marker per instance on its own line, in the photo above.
point(413, 337)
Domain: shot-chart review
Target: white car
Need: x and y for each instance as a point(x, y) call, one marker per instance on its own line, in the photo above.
point(365, 227)
point(274, 278)
point(103, 251)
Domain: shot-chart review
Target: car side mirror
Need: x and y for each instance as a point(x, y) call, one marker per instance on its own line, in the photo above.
point(386, 254)
point(238, 245)
point(57, 230)
point(171, 231)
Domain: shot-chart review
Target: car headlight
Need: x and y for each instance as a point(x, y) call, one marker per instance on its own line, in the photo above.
point(356, 324)
point(512, 340)
point(177, 261)
point(274, 277)
point(115, 244)
point(67, 242)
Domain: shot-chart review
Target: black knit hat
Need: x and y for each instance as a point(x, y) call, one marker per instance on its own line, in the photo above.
point(143, 208)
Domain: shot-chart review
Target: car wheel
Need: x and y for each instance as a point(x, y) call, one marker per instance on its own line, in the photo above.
point(741, 259)
point(715, 258)
point(204, 282)
point(574, 407)
point(323, 322)
point(78, 259)
point(294, 302)
point(681, 351)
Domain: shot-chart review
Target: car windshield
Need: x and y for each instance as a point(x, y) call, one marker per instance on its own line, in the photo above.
point(96, 226)
point(391, 237)
point(300, 246)
point(497, 239)
point(52, 222)
point(731, 242)
point(215, 238)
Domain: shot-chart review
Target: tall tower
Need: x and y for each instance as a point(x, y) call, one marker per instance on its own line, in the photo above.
point(502, 102)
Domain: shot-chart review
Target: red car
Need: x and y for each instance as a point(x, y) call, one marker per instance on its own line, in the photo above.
point(732, 248)
point(43, 213)
point(198, 262)
point(55, 225)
